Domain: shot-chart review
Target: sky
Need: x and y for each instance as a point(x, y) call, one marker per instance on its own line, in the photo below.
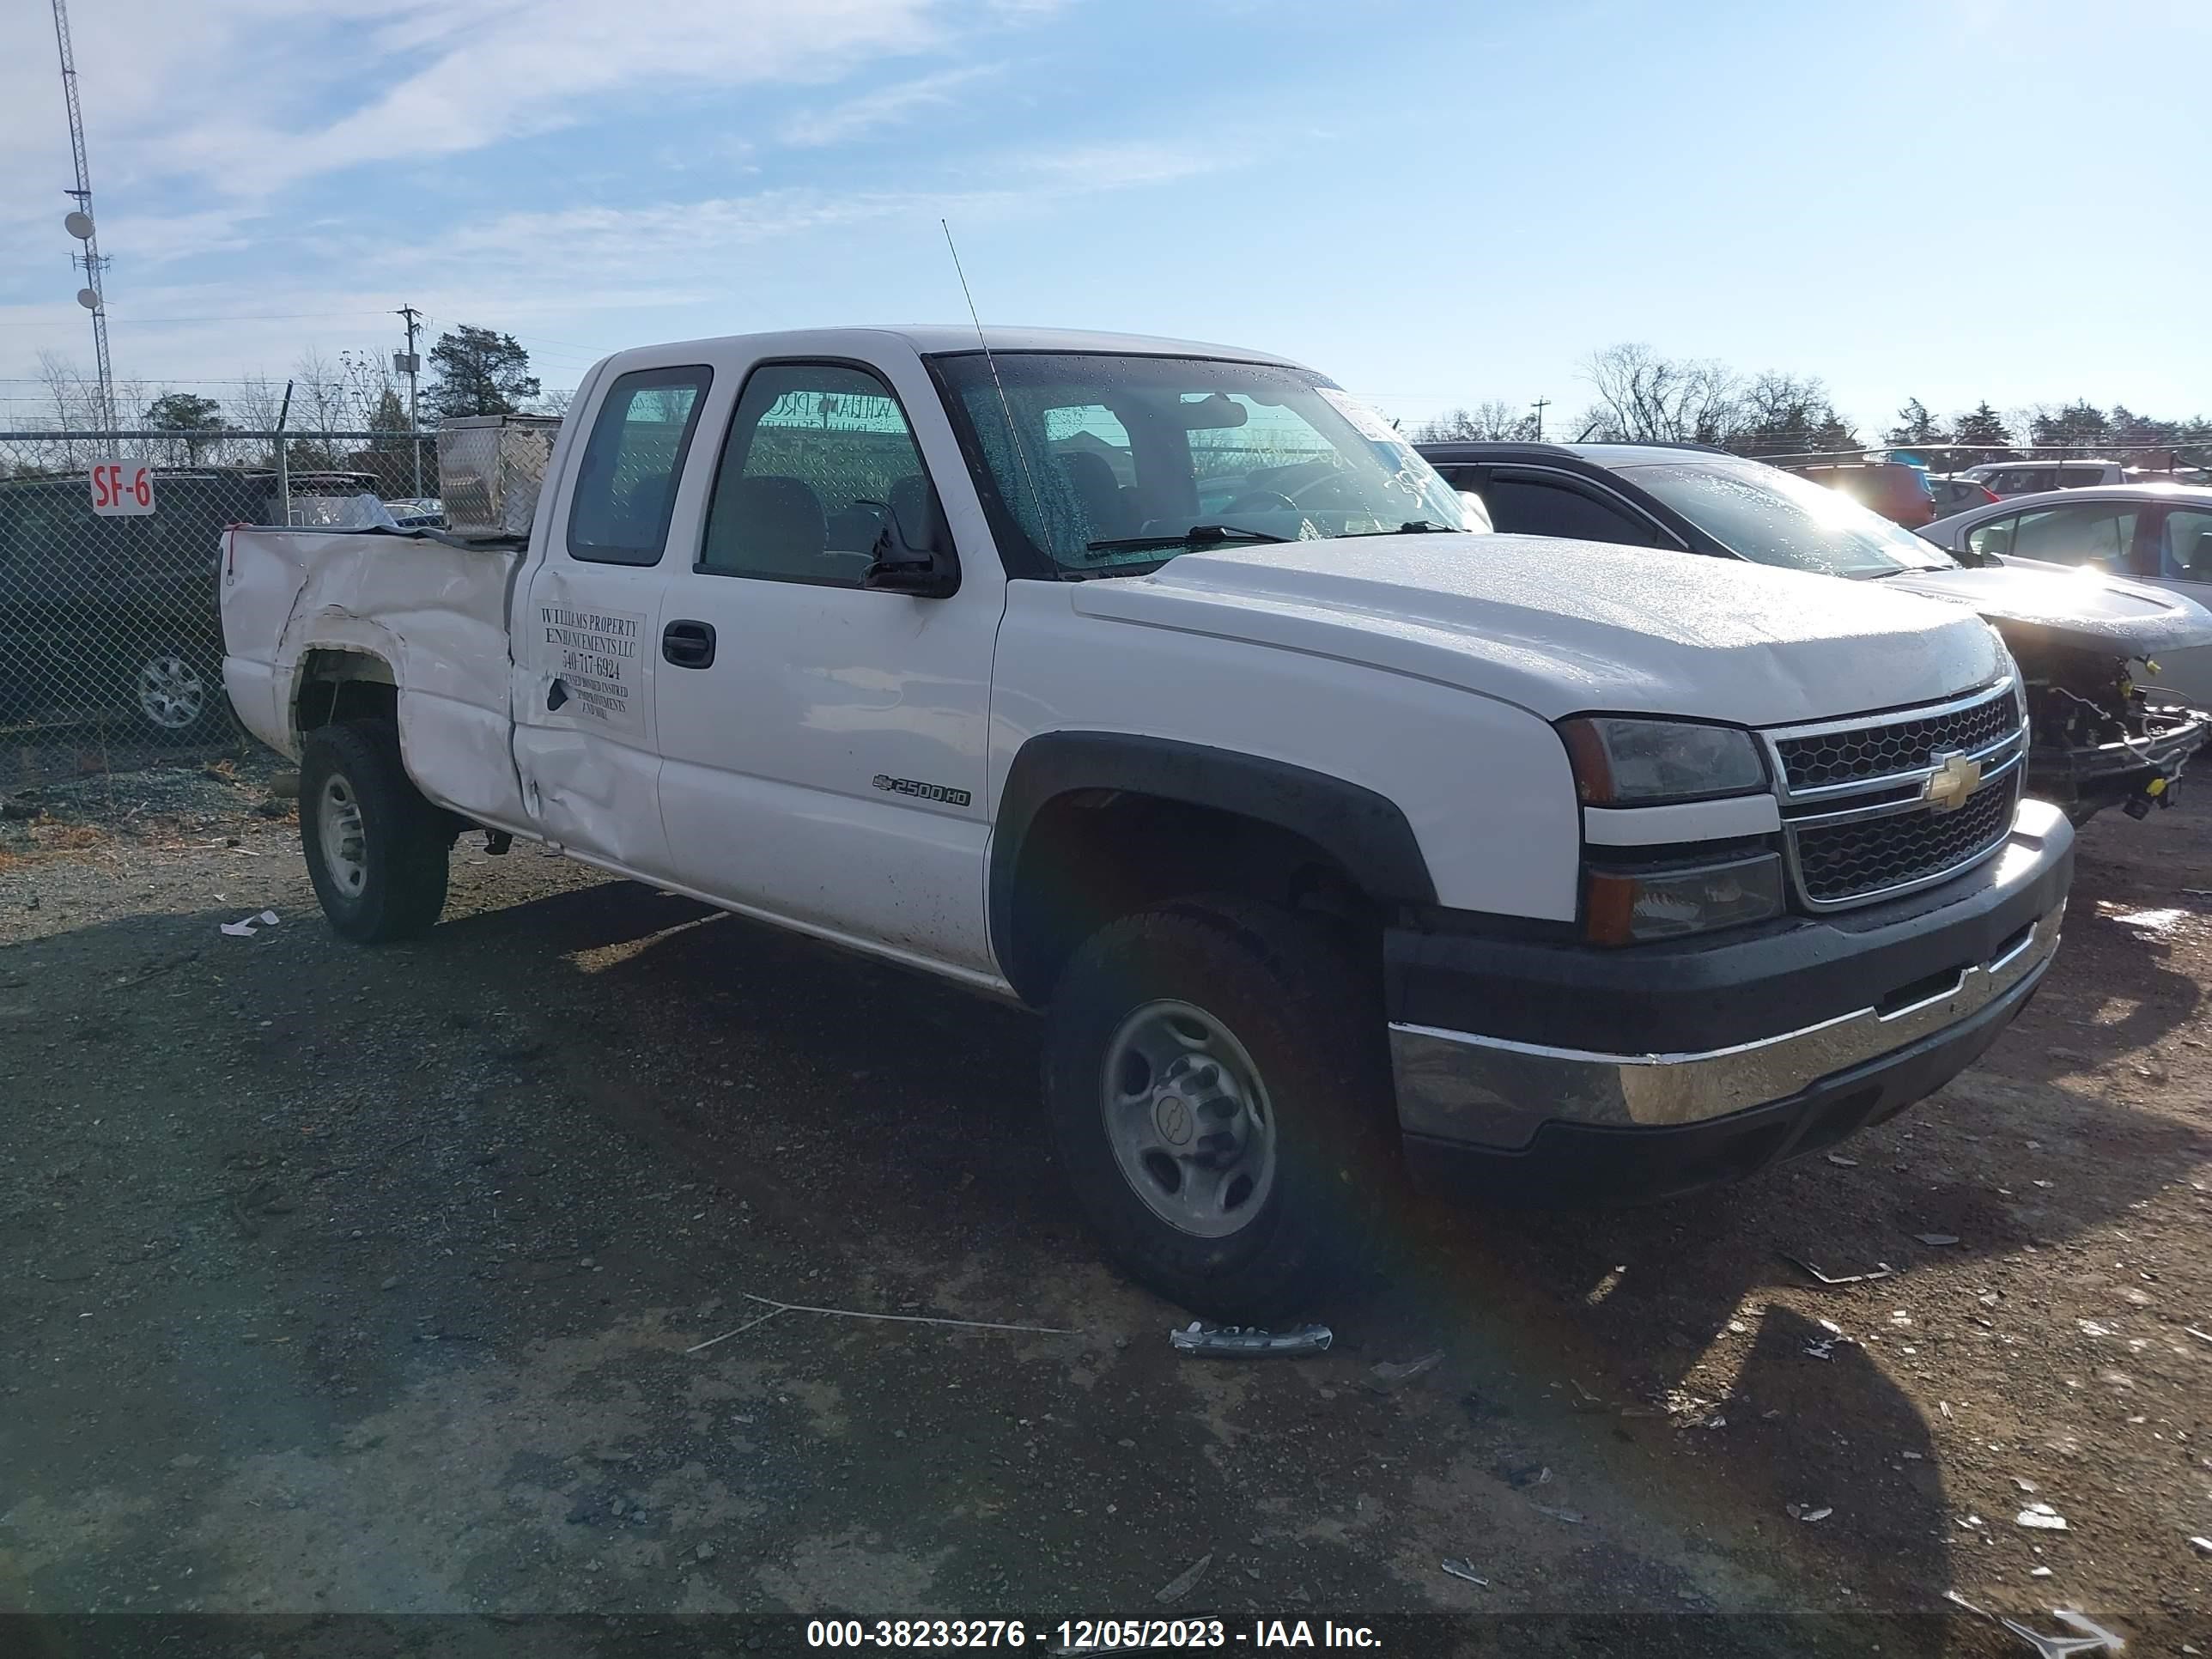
point(1436, 204)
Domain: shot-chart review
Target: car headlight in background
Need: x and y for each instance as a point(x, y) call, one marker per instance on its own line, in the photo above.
point(1625, 907)
point(1623, 761)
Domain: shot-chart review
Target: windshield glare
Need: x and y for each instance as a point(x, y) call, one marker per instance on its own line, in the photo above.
point(1104, 449)
point(1774, 517)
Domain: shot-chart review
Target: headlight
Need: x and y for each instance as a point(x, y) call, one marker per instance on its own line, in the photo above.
point(1619, 762)
point(1623, 906)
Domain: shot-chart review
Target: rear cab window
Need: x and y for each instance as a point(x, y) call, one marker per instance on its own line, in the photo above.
point(625, 490)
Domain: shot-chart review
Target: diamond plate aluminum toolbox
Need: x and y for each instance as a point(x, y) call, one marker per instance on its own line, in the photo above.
point(490, 468)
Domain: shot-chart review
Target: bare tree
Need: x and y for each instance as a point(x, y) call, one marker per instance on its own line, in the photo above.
point(318, 406)
point(1642, 395)
point(255, 403)
point(1496, 421)
point(1780, 414)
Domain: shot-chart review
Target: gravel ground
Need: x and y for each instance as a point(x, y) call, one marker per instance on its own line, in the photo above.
point(342, 1280)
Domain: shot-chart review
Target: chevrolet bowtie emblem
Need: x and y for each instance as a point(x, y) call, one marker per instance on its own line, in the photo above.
point(1953, 780)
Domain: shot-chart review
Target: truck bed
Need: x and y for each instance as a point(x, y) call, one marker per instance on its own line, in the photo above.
point(436, 612)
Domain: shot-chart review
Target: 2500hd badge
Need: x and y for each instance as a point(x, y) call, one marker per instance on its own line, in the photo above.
point(921, 791)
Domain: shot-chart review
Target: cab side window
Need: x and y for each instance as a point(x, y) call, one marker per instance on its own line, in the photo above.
point(1525, 505)
point(2185, 549)
point(2092, 533)
point(1992, 538)
point(816, 455)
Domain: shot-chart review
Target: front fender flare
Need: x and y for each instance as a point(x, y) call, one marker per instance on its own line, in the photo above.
point(1366, 833)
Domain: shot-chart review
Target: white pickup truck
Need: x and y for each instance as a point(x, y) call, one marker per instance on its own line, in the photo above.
point(1158, 686)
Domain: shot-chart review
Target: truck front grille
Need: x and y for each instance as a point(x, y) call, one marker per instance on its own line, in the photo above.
point(1880, 748)
point(1837, 863)
point(1859, 797)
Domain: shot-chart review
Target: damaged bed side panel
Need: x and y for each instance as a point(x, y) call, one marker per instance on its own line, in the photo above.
point(430, 616)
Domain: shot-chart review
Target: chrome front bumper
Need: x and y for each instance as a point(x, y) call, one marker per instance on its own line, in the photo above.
point(1461, 1086)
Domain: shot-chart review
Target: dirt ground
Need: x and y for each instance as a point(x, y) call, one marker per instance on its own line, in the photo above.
point(342, 1281)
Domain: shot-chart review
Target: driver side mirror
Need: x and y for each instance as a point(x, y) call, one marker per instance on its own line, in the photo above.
point(915, 559)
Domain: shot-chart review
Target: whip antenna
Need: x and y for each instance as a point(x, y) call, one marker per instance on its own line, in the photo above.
point(1006, 408)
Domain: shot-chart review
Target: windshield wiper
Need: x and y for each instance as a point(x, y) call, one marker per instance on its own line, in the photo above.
point(1411, 527)
point(1199, 535)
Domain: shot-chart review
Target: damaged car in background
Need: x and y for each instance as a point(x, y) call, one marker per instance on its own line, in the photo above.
point(2110, 723)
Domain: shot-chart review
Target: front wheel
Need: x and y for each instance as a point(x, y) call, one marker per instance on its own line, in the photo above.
point(1216, 1081)
point(377, 851)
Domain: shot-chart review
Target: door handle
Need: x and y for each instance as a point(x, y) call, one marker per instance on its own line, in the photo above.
point(689, 644)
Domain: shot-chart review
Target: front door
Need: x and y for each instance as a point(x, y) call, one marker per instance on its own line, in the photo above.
point(823, 743)
point(587, 634)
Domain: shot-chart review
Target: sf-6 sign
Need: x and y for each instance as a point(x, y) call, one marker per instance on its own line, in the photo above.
point(122, 489)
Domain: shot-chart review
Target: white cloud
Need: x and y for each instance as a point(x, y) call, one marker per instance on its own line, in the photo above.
point(883, 107)
point(252, 95)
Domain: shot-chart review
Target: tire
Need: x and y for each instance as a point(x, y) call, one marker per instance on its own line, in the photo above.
point(377, 851)
point(175, 692)
point(1306, 1026)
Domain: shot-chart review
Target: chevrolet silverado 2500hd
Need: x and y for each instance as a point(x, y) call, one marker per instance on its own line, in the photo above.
point(1159, 687)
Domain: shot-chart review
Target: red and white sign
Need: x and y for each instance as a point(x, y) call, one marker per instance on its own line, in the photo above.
point(122, 489)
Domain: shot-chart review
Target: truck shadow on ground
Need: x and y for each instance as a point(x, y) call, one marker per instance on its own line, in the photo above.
point(886, 1121)
point(1582, 1328)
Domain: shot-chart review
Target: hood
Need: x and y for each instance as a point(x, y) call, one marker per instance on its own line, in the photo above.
point(1565, 627)
point(2036, 604)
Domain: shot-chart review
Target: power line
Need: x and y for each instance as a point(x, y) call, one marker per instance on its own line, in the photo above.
point(227, 317)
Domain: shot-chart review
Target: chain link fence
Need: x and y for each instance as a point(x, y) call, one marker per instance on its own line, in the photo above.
point(111, 642)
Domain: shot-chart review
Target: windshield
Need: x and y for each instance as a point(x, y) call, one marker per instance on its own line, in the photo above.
point(1105, 464)
point(1774, 518)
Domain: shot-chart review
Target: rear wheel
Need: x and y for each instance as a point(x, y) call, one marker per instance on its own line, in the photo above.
point(377, 851)
point(1217, 1085)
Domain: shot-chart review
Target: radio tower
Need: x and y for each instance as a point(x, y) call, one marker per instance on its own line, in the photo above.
point(80, 224)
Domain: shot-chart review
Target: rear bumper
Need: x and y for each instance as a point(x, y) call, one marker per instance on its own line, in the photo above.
point(1626, 1074)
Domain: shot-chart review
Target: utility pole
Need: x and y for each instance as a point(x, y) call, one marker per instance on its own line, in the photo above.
point(1539, 406)
point(410, 365)
point(80, 224)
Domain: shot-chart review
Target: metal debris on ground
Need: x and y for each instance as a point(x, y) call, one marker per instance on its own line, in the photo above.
point(1388, 1376)
point(775, 1307)
point(1572, 1517)
point(2082, 1621)
point(2095, 1637)
point(1882, 1270)
point(1937, 1238)
point(1807, 1512)
point(2202, 1336)
point(2201, 1546)
point(1843, 1163)
point(1184, 1582)
point(2060, 1647)
point(1250, 1342)
point(2042, 1517)
point(1459, 1568)
point(244, 927)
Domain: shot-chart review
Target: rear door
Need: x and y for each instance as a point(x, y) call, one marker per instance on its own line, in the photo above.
point(586, 634)
point(2181, 542)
